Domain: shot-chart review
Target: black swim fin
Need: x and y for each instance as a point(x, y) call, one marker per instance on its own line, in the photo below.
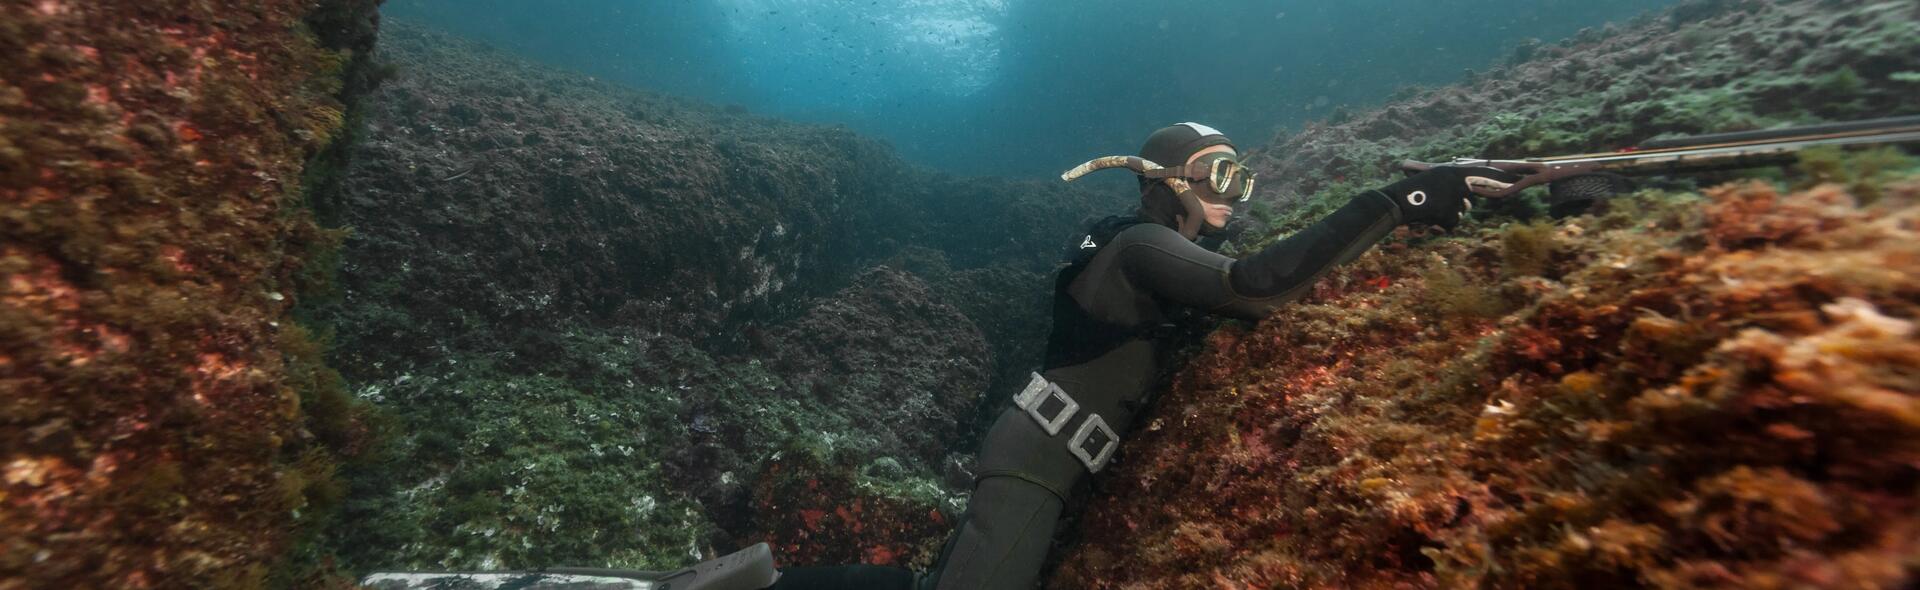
point(746, 569)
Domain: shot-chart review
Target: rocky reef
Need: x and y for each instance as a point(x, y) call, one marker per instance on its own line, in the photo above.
point(1681, 392)
point(597, 315)
point(164, 420)
point(1705, 66)
point(1683, 388)
point(581, 324)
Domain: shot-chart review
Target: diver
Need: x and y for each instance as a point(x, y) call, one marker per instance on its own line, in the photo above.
point(1128, 283)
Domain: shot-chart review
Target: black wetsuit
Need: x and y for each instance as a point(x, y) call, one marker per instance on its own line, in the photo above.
point(1123, 285)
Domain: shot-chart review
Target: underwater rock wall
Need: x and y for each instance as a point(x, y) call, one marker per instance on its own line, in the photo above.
point(494, 190)
point(1676, 390)
point(597, 314)
point(892, 347)
point(1705, 66)
point(164, 421)
point(1682, 392)
point(497, 189)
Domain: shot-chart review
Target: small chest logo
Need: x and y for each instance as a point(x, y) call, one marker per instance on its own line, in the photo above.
point(1088, 243)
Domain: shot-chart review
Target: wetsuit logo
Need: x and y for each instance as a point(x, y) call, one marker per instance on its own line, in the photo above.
point(1088, 243)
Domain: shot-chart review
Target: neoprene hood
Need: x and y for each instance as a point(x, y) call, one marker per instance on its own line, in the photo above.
point(1171, 146)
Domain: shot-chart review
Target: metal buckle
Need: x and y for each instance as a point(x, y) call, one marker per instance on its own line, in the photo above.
point(1034, 399)
point(1094, 460)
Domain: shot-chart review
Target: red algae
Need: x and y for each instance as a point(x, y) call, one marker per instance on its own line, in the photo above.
point(813, 513)
point(1679, 393)
point(153, 385)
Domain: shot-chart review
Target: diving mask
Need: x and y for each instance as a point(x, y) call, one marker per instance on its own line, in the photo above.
point(1227, 179)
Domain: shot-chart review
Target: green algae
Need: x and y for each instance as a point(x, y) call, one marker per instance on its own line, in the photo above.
point(1527, 249)
point(498, 463)
point(490, 467)
point(1863, 172)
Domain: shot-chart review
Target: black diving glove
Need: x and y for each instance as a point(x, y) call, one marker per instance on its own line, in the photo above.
point(1439, 196)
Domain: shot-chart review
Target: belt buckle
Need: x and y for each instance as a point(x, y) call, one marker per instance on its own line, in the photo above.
point(1094, 426)
point(1035, 400)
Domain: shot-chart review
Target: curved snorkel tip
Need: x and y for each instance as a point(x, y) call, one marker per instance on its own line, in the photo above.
point(1137, 164)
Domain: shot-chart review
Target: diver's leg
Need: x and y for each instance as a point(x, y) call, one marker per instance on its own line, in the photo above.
point(1003, 539)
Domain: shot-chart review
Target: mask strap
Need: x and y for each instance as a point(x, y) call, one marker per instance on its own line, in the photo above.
point(1196, 170)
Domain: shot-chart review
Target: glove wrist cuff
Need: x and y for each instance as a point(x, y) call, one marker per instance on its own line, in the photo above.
point(1426, 199)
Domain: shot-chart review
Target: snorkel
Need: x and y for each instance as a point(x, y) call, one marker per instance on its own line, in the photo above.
point(1216, 177)
point(1196, 214)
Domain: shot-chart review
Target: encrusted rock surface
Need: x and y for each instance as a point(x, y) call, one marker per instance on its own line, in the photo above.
point(610, 328)
point(812, 509)
point(887, 374)
point(164, 422)
point(1675, 391)
point(1706, 66)
point(1681, 393)
point(498, 191)
point(662, 295)
point(889, 349)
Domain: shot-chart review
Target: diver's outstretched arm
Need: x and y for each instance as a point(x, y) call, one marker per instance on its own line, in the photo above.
point(1157, 259)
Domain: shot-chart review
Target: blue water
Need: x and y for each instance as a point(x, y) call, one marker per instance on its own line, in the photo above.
point(1023, 87)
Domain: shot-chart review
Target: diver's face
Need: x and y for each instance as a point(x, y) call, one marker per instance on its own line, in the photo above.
point(1217, 213)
